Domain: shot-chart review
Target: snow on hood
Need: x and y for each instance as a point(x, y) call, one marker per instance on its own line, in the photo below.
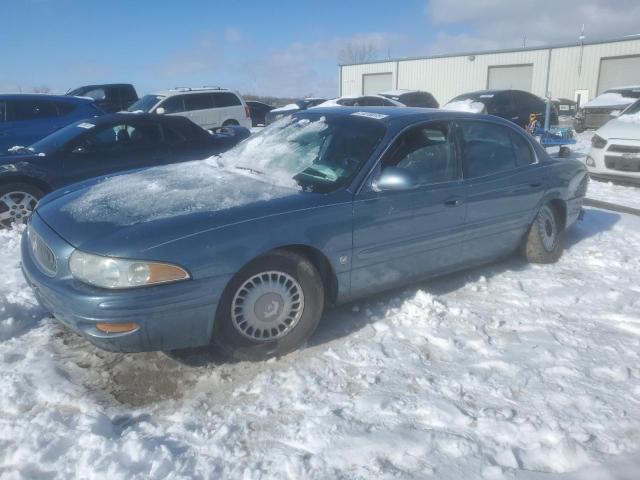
point(630, 118)
point(621, 128)
point(610, 99)
point(169, 191)
point(467, 105)
point(286, 108)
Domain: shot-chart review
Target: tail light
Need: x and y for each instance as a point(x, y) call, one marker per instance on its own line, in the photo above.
point(247, 111)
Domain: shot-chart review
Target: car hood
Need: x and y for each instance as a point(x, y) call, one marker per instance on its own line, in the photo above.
point(139, 211)
point(620, 129)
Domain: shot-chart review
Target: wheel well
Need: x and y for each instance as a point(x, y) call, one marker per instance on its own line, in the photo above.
point(230, 122)
point(320, 261)
point(561, 209)
point(46, 188)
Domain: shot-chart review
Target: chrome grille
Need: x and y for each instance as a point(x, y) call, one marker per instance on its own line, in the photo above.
point(43, 255)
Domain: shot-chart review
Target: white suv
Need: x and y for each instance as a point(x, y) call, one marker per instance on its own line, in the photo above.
point(209, 107)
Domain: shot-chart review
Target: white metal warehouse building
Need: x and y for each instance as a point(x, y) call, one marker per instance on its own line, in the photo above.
point(577, 71)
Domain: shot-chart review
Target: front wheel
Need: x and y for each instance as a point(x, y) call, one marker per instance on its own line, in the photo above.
point(270, 308)
point(542, 243)
point(17, 201)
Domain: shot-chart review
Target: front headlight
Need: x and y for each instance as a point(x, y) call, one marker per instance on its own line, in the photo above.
point(116, 273)
point(598, 142)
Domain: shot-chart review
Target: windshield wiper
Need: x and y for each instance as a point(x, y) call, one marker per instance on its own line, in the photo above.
point(252, 170)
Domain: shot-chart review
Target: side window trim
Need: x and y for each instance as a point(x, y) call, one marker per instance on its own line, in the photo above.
point(366, 183)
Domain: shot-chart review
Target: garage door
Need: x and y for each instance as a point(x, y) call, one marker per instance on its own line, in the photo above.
point(514, 77)
point(373, 83)
point(619, 72)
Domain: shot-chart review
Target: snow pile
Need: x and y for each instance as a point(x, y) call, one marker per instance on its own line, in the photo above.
point(290, 106)
point(507, 371)
point(467, 105)
point(610, 99)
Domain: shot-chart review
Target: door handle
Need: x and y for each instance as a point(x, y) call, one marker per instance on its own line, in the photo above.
point(535, 184)
point(454, 202)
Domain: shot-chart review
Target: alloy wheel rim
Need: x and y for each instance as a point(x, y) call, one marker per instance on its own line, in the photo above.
point(548, 229)
point(16, 207)
point(267, 306)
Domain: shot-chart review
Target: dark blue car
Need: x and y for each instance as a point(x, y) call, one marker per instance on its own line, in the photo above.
point(100, 146)
point(320, 208)
point(26, 118)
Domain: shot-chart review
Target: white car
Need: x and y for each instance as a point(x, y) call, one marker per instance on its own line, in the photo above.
point(206, 106)
point(615, 147)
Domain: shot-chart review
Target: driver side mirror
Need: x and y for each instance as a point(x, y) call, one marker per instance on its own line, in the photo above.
point(394, 179)
point(160, 111)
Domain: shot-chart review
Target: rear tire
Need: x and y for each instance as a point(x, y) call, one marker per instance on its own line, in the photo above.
point(543, 242)
point(17, 201)
point(270, 308)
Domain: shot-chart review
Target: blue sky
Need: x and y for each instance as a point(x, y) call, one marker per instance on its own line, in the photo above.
point(267, 47)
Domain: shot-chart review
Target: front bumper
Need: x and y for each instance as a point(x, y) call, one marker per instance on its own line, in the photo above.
point(172, 316)
point(618, 159)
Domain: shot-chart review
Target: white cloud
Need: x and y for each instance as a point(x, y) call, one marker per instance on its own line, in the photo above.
point(504, 23)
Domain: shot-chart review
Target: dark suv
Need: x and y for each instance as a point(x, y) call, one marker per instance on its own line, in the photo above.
point(412, 98)
point(110, 97)
point(516, 106)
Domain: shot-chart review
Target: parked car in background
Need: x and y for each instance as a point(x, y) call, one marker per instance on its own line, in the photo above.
point(209, 107)
point(517, 106)
point(258, 111)
point(110, 97)
point(360, 101)
point(248, 249)
point(565, 107)
point(100, 146)
point(26, 118)
point(281, 112)
point(615, 147)
point(413, 98)
point(598, 111)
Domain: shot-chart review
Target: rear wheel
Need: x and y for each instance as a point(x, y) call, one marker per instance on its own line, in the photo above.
point(270, 308)
point(228, 123)
point(17, 201)
point(543, 241)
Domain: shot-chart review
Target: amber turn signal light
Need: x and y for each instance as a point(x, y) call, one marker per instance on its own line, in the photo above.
point(116, 327)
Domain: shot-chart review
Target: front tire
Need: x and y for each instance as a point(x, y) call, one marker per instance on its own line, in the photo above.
point(17, 201)
point(543, 242)
point(270, 308)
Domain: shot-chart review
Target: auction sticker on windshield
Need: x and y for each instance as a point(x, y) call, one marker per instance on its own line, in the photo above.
point(378, 116)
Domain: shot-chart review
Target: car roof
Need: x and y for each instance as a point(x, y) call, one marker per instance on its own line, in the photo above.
point(190, 90)
point(408, 115)
point(40, 96)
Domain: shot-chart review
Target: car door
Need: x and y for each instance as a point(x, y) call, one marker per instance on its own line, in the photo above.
point(504, 185)
point(405, 234)
point(29, 120)
point(112, 148)
point(200, 110)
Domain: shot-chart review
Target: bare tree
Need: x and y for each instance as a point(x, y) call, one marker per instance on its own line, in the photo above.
point(41, 89)
point(359, 50)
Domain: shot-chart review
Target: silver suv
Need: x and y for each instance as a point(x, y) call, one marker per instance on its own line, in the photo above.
point(209, 107)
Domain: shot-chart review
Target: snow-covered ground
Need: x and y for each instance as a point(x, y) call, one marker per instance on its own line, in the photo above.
point(506, 371)
point(628, 196)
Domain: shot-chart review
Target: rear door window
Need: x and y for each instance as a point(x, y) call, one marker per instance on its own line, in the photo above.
point(226, 99)
point(97, 94)
point(427, 152)
point(198, 101)
point(20, 110)
point(487, 149)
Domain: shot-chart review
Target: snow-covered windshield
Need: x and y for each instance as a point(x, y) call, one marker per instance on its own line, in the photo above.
point(145, 104)
point(314, 152)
